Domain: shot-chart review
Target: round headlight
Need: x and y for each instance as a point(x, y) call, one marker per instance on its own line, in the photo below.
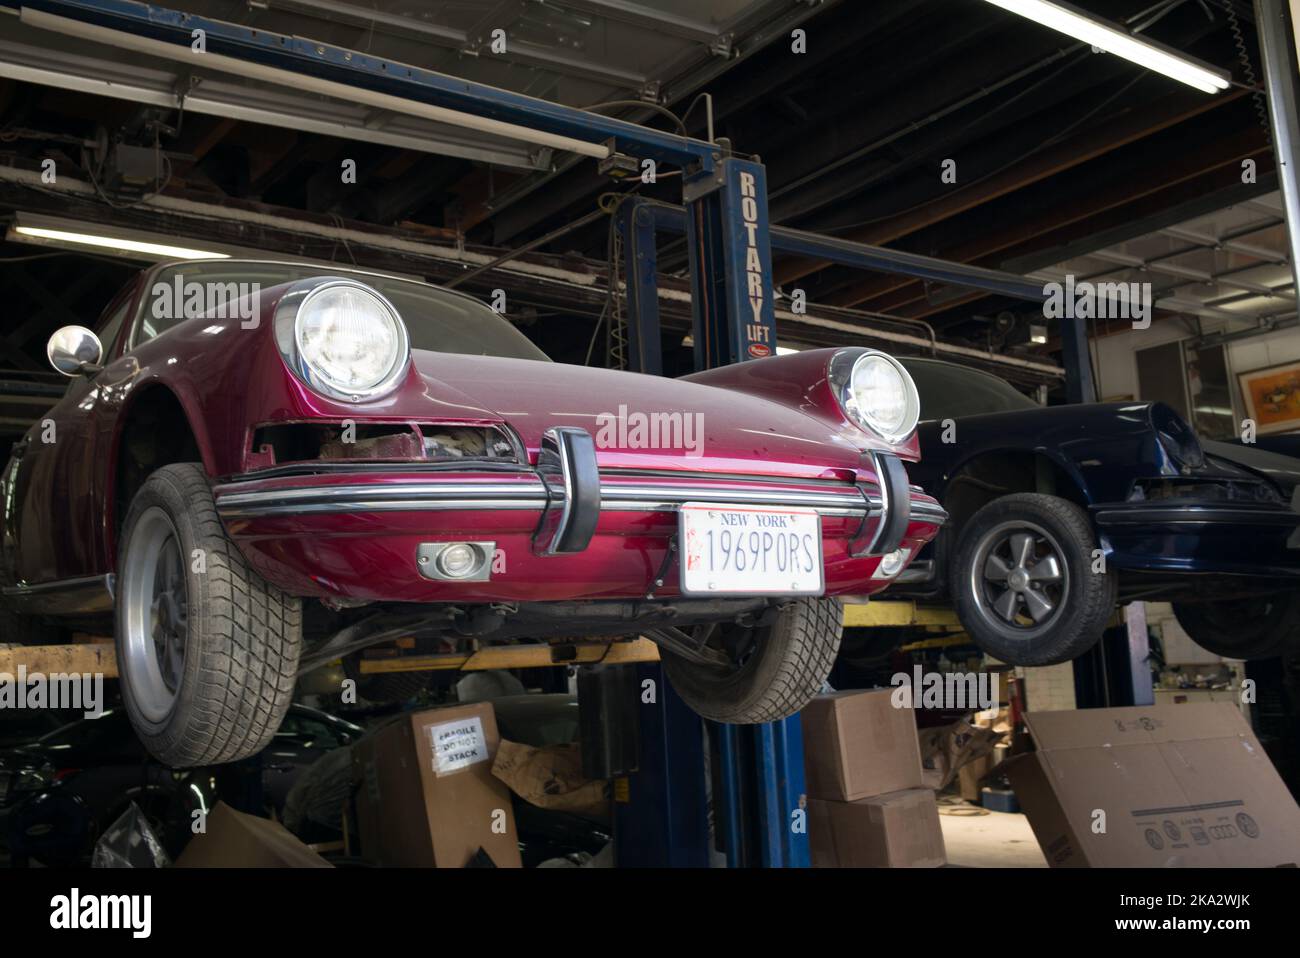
point(877, 393)
point(350, 342)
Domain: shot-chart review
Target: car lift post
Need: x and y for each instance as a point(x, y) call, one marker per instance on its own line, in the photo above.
point(758, 770)
point(637, 223)
point(760, 801)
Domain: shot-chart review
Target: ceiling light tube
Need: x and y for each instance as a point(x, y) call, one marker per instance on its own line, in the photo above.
point(1144, 53)
point(117, 245)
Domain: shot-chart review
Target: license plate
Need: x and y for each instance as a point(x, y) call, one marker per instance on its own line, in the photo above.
point(736, 550)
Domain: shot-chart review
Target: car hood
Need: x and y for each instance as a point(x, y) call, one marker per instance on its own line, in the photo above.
point(1105, 446)
point(638, 421)
point(1118, 431)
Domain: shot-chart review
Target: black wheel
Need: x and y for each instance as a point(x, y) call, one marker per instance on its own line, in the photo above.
point(1022, 580)
point(382, 688)
point(1256, 628)
point(317, 801)
point(765, 673)
point(207, 650)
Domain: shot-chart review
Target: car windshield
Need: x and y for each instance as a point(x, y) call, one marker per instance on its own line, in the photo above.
point(436, 319)
point(949, 391)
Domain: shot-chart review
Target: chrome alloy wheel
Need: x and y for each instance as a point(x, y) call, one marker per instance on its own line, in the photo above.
point(1019, 578)
point(155, 594)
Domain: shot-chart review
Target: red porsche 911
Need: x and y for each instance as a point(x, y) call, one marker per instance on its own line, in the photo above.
point(261, 467)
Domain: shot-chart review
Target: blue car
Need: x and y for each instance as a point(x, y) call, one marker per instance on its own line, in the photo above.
point(1056, 514)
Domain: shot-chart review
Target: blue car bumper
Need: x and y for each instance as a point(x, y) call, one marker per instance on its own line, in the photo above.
point(1226, 538)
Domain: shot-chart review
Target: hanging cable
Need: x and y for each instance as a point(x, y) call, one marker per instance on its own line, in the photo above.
point(1248, 71)
point(642, 104)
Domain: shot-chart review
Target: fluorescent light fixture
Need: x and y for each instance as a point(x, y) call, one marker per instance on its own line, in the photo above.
point(133, 244)
point(787, 350)
point(151, 250)
point(1037, 334)
point(1144, 53)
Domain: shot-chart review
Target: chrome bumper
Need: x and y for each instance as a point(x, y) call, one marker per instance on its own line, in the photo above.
point(614, 497)
point(569, 493)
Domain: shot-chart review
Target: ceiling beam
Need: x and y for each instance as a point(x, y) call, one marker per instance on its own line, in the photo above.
point(1104, 137)
point(1123, 202)
point(517, 51)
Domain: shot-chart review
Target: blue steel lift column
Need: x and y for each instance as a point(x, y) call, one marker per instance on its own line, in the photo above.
point(757, 771)
point(759, 797)
point(731, 263)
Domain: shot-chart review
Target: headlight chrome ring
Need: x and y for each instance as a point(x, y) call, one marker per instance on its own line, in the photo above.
point(847, 372)
point(289, 336)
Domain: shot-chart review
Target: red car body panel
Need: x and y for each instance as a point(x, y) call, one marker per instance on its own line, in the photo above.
point(767, 425)
point(799, 382)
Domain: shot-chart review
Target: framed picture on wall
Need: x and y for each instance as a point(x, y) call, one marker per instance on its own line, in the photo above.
point(1272, 397)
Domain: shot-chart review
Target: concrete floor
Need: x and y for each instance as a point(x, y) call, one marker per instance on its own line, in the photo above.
point(995, 840)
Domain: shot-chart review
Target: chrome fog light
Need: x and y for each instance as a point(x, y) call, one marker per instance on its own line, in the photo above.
point(892, 563)
point(458, 561)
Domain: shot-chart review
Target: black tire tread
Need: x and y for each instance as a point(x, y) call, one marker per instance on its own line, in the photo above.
point(799, 652)
point(251, 640)
point(1246, 644)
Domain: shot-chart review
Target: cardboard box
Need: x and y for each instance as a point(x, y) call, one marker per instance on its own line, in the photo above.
point(898, 830)
point(857, 744)
point(1179, 785)
point(425, 791)
point(947, 749)
point(236, 840)
point(551, 777)
point(970, 777)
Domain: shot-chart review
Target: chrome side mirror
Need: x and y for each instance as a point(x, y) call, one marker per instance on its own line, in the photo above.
point(74, 350)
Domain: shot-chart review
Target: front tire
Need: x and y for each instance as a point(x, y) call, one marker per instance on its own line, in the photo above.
point(207, 650)
point(1022, 580)
point(1257, 628)
point(779, 667)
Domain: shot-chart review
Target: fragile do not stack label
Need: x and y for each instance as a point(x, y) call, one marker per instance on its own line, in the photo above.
point(457, 745)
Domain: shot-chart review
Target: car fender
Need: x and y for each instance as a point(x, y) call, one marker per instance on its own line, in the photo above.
point(801, 381)
point(1054, 456)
